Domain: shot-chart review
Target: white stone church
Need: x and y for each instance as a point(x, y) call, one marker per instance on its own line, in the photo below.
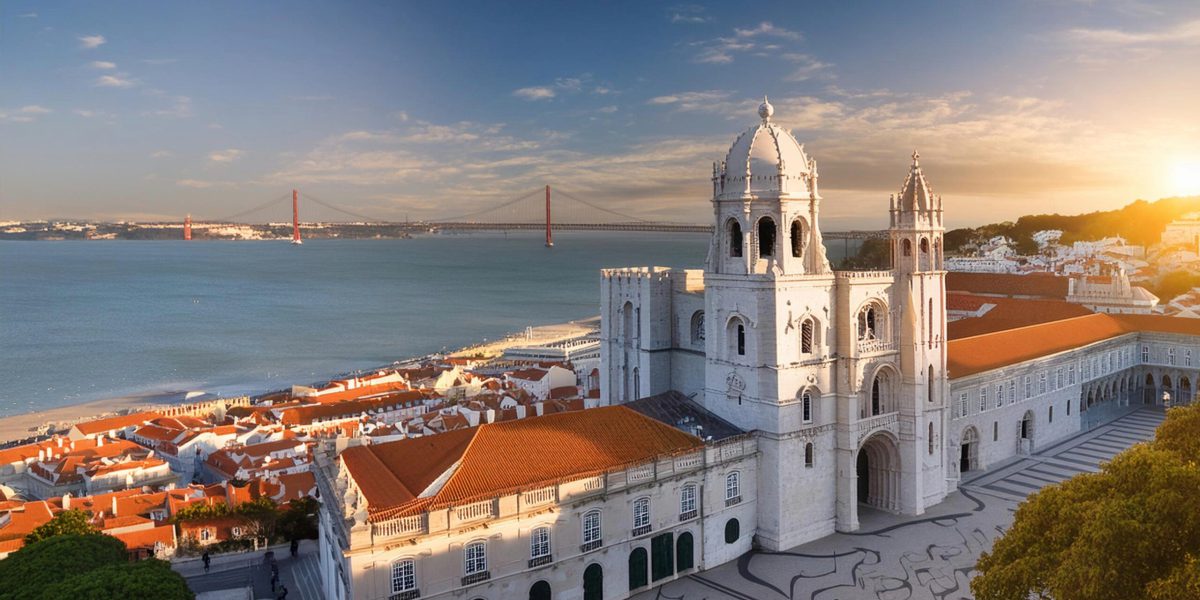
point(761, 402)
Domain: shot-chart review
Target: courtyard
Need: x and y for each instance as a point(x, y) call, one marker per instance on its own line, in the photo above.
point(930, 557)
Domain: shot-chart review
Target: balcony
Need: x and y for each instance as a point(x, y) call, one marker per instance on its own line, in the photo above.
point(474, 578)
point(406, 595)
point(871, 346)
point(688, 516)
point(541, 560)
point(590, 546)
point(734, 500)
point(640, 531)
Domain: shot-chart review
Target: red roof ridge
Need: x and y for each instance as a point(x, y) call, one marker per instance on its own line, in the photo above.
point(1105, 316)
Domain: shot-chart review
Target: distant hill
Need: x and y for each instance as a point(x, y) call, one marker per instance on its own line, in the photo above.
point(1140, 223)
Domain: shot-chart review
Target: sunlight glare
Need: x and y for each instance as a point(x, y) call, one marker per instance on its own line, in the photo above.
point(1185, 177)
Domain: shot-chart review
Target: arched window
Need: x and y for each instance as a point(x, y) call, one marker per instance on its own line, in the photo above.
point(797, 239)
point(907, 246)
point(593, 582)
point(924, 246)
point(930, 438)
point(808, 454)
point(806, 412)
point(733, 530)
point(539, 543)
point(733, 488)
point(641, 516)
point(1051, 415)
point(540, 591)
point(929, 383)
point(766, 237)
point(698, 327)
point(687, 502)
point(591, 530)
point(806, 336)
point(870, 322)
point(684, 553)
point(637, 385)
point(877, 396)
point(475, 558)
point(638, 569)
point(735, 238)
point(404, 575)
point(736, 332)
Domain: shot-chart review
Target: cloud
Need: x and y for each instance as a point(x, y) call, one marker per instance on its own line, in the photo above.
point(722, 50)
point(162, 154)
point(225, 156)
point(26, 114)
point(29, 15)
point(1186, 33)
point(603, 90)
point(688, 14)
point(103, 64)
point(807, 67)
point(608, 110)
point(709, 100)
point(118, 80)
point(91, 41)
point(401, 116)
point(159, 61)
point(181, 107)
point(203, 184)
point(535, 93)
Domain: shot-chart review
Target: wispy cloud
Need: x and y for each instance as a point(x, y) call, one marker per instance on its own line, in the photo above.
point(722, 50)
point(162, 154)
point(807, 67)
point(180, 107)
point(225, 156)
point(26, 114)
point(103, 64)
point(1187, 33)
point(91, 41)
point(688, 13)
point(535, 93)
point(116, 80)
point(28, 15)
point(204, 184)
point(159, 61)
point(608, 110)
point(692, 101)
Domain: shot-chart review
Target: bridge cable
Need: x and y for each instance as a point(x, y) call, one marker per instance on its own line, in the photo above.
point(366, 218)
point(230, 219)
point(600, 208)
point(489, 209)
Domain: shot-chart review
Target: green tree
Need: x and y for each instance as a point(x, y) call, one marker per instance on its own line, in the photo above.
point(67, 522)
point(28, 571)
point(1130, 531)
point(145, 579)
point(299, 521)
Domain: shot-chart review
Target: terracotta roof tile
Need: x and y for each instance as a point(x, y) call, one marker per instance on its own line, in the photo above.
point(1045, 285)
point(118, 422)
point(1011, 313)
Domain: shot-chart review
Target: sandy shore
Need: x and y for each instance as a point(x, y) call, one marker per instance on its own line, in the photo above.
point(17, 427)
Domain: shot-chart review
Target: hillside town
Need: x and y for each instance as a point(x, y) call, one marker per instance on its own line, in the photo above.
point(170, 482)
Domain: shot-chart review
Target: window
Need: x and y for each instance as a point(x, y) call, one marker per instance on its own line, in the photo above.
point(1068, 408)
point(995, 430)
point(1042, 383)
point(806, 337)
point(797, 239)
point(1058, 378)
point(766, 237)
point(741, 339)
point(1051, 414)
point(591, 530)
point(687, 502)
point(733, 488)
point(907, 245)
point(806, 407)
point(475, 558)
point(641, 515)
point(877, 407)
point(735, 238)
point(808, 455)
point(698, 327)
point(733, 530)
point(1028, 387)
point(982, 398)
point(1012, 392)
point(867, 324)
point(1071, 374)
point(539, 543)
point(404, 575)
point(999, 395)
point(1187, 357)
point(1145, 354)
point(930, 438)
point(962, 404)
point(204, 535)
point(237, 532)
point(1170, 356)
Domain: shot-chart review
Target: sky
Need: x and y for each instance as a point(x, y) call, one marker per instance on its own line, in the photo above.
point(151, 110)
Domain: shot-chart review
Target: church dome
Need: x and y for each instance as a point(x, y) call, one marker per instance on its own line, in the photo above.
point(766, 159)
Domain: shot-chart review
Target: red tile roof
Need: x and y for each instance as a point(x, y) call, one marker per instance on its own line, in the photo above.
point(118, 422)
point(1011, 313)
point(554, 448)
point(1045, 285)
point(980, 353)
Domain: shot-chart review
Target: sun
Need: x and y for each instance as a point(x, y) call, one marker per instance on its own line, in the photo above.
point(1185, 177)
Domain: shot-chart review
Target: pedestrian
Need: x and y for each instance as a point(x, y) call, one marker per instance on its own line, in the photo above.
point(207, 559)
point(274, 581)
point(295, 547)
point(283, 593)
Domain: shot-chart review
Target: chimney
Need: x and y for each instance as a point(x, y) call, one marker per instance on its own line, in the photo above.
point(99, 440)
point(66, 501)
point(114, 506)
point(41, 454)
point(58, 440)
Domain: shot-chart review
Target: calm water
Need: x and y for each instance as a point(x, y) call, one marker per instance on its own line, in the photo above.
point(81, 321)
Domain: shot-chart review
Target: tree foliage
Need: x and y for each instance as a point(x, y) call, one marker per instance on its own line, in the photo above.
point(92, 565)
point(1130, 531)
point(299, 522)
point(67, 522)
point(151, 578)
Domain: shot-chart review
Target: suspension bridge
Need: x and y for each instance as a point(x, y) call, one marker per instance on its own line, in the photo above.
point(541, 209)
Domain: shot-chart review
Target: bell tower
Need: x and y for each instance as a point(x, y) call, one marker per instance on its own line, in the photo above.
point(770, 346)
point(916, 234)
